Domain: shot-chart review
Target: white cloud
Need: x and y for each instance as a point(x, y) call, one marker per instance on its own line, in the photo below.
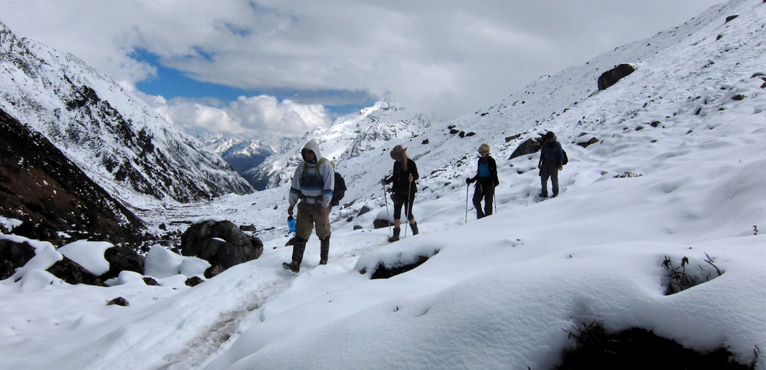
point(445, 57)
point(262, 116)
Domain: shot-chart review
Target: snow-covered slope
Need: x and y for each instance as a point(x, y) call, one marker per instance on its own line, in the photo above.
point(689, 125)
point(114, 137)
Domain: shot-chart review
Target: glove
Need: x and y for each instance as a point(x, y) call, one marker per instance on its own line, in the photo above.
point(468, 180)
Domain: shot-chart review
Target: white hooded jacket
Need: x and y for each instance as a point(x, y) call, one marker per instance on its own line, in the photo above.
point(316, 184)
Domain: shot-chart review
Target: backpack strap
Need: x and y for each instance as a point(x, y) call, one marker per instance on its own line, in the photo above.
point(316, 165)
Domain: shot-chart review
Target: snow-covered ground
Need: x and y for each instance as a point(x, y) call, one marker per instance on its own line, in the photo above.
point(689, 126)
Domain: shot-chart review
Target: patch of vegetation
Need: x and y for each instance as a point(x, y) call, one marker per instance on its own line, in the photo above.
point(636, 348)
point(678, 278)
point(384, 272)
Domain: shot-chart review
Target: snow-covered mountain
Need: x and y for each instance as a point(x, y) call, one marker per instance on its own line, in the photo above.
point(116, 139)
point(351, 140)
point(242, 154)
point(671, 168)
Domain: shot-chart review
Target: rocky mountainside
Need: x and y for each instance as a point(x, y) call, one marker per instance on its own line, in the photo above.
point(116, 139)
point(50, 194)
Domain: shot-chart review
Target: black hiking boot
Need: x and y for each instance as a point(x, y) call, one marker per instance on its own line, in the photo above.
point(298, 248)
point(394, 238)
point(414, 227)
point(324, 250)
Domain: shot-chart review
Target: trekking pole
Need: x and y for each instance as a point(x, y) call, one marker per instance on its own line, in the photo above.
point(467, 188)
point(388, 220)
point(408, 211)
point(494, 197)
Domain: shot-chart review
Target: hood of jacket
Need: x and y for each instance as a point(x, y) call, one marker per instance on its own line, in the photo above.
point(314, 147)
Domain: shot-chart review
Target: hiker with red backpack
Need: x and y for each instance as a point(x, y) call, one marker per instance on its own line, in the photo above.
point(312, 184)
point(404, 189)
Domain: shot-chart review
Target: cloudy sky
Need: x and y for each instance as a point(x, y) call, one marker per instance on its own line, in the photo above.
point(272, 67)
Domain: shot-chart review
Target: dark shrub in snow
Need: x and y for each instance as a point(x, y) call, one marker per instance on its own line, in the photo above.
point(637, 348)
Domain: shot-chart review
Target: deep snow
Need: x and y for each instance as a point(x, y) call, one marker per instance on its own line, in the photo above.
point(495, 293)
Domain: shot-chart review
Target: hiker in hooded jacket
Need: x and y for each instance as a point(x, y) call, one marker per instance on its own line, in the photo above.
point(551, 162)
point(312, 185)
point(404, 189)
point(486, 181)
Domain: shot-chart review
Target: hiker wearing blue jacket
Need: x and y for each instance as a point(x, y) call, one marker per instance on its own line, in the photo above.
point(486, 178)
point(312, 184)
point(551, 162)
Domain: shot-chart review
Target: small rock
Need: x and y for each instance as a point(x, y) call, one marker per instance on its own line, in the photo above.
point(119, 301)
point(194, 281)
point(364, 210)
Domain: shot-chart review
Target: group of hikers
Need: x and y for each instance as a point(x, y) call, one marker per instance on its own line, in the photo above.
point(314, 181)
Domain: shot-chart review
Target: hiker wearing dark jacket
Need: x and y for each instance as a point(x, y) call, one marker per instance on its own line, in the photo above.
point(551, 162)
point(312, 184)
point(486, 181)
point(404, 189)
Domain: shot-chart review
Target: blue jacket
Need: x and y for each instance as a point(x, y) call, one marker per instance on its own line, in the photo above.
point(552, 153)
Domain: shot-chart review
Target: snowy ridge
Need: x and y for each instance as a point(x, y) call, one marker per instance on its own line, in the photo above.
point(115, 138)
point(242, 154)
point(350, 140)
point(502, 291)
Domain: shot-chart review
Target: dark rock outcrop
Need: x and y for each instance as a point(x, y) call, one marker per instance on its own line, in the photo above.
point(587, 143)
point(72, 273)
point(13, 256)
point(221, 243)
point(250, 228)
point(194, 281)
point(364, 210)
point(379, 224)
point(122, 259)
point(42, 187)
point(529, 146)
point(119, 301)
point(613, 75)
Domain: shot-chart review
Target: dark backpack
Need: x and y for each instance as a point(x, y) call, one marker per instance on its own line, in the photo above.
point(566, 159)
point(339, 189)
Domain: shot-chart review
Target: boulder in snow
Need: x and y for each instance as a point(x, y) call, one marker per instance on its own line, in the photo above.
point(528, 147)
point(123, 259)
point(613, 75)
point(13, 255)
point(221, 243)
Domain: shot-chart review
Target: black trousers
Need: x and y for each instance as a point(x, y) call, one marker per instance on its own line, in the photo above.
point(486, 192)
point(401, 199)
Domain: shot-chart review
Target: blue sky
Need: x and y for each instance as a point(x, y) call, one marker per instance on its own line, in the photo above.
point(171, 83)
